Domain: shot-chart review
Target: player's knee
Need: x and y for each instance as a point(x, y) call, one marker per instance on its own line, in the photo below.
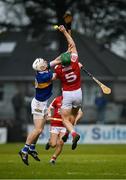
point(39, 130)
point(52, 144)
point(60, 143)
point(65, 114)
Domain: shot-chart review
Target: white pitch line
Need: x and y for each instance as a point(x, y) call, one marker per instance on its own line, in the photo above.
point(97, 174)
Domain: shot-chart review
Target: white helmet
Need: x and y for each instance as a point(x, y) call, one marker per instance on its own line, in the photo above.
point(38, 63)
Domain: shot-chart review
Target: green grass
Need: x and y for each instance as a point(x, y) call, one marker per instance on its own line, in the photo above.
point(86, 162)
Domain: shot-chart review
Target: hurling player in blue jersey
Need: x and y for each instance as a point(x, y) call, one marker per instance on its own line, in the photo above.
point(43, 86)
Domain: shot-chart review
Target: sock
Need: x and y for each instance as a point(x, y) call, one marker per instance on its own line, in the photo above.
point(26, 148)
point(53, 157)
point(66, 133)
point(73, 133)
point(32, 147)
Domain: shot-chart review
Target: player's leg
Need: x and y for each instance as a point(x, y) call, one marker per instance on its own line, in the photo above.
point(58, 151)
point(47, 146)
point(32, 151)
point(77, 103)
point(39, 121)
point(59, 146)
point(66, 111)
point(38, 127)
point(73, 117)
point(53, 137)
point(66, 136)
point(66, 114)
point(70, 99)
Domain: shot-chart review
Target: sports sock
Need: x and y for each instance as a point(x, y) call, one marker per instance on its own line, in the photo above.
point(32, 147)
point(26, 148)
point(73, 133)
point(53, 157)
point(66, 133)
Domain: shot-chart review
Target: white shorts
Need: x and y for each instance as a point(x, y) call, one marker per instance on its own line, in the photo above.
point(57, 129)
point(38, 107)
point(72, 99)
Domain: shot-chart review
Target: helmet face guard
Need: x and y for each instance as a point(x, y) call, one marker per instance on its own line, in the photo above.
point(39, 64)
point(65, 59)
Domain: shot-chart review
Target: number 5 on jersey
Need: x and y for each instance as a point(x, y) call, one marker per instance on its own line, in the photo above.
point(70, 77)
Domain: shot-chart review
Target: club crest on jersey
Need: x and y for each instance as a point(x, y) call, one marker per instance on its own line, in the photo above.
point(74, 57)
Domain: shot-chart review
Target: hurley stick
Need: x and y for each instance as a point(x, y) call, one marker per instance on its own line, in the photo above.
point(105, 89)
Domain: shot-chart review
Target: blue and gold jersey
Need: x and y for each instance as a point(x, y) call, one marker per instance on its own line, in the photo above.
point(43, 85)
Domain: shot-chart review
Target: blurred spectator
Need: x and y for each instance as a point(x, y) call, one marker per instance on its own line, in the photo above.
point(18, 104)
point(16, 132)
point(28, 100)
point(100, 102)
point(123, 113)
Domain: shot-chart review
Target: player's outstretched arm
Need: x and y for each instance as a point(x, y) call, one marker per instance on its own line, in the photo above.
point(54, 77)
point(49, 111)
point(71, 43)
point(55, 62)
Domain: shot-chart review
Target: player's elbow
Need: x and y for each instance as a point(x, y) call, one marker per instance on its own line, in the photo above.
point(71, 45)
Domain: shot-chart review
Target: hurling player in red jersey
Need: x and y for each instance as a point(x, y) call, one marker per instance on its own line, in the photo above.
point(57, 129)
point(69, 74)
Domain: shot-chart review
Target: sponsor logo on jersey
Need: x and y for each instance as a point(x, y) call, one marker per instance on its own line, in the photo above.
point(38, 110)
point(74, 58)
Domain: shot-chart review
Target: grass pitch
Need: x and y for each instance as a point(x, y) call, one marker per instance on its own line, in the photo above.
point(86, 162)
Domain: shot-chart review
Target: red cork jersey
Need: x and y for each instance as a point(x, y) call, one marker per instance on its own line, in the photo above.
point(56, 105)
point(70, 75)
